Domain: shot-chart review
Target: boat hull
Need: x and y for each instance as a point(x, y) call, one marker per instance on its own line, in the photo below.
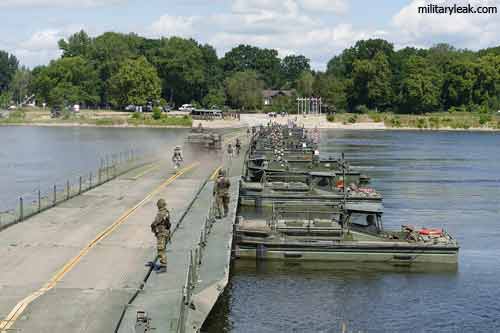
point(396, 256)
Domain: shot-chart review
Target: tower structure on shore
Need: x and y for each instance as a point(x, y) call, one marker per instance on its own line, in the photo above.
point(309, 105)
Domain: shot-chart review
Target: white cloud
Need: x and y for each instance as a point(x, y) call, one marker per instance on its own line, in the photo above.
point(289, 26)
point(264, 6)
point(42, 46)
point(42, 40)
point(58, 3)
point(313, 28)
point(462, 30)
point(34, 58)
point(168, 25)
point(334, 6)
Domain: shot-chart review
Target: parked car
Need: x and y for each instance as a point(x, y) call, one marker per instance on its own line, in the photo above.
point(186, 107)
point(130, 108)
point(148, 107)
point(167, 108)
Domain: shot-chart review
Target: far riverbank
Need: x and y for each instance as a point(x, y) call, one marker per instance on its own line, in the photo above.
point(347, 121)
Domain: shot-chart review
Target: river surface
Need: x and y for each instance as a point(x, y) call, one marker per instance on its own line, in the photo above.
point(436, 179)
point(33, 157)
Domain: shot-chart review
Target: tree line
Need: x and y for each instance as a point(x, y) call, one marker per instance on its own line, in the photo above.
point(115, 70)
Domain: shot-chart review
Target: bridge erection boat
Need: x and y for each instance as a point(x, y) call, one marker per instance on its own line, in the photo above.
point(350, 232)
point(321, 209)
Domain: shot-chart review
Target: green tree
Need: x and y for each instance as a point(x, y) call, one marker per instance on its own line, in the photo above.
point(343, 65)
point(8, 67)
point(371, 83)
point(292, 66)
point(78, 44)
point(5, 98)
point(264, 62)
point(136, 82)
point(67, 81)
point(486, 89)
point(109, 51)
point(331, 90)
point(305, 84)
point(212, 70)
point(244, 90)
point(180, 64)
point(459, 83)
point(284, 104)
point(420, 87)
point(21, 84)
point(215, 96)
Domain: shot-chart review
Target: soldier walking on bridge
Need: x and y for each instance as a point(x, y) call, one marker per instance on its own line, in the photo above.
point(161, 228)
point(221, 193)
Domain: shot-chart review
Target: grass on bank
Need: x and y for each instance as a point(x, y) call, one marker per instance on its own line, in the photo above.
point(438, 120)
point(96, 117)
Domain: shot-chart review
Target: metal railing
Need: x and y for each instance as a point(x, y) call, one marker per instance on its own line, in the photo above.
point(32, 203)
point(195, 258)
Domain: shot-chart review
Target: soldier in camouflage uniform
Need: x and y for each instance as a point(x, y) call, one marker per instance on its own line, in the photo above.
point(161, 228)
point(221, 193)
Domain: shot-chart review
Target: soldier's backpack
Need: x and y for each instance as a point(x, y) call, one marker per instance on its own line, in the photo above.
point(166, 222)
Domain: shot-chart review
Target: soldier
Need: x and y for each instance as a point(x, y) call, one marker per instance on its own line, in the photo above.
point(177, 157)
point(238, 146)
point(230, 151)
point(161, 228)
point(221, 193)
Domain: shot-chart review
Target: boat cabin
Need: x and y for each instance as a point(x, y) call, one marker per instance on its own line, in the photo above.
point(364, 217)
point(332, 220)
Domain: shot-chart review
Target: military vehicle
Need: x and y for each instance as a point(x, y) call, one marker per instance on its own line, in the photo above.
point(205, 138)
point(340, 232)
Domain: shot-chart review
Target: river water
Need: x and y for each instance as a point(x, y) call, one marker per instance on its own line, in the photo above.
point(33, 157)
point(437, 179)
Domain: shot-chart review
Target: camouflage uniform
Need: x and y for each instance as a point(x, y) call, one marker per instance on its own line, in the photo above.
point(161, 228)
point(221, 192)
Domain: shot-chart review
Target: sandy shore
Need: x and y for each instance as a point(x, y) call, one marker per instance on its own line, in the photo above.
point(320, 122)
point(248, 120)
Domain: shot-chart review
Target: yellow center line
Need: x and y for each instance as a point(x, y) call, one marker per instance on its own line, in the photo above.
point(214, 175)
point(21, 306)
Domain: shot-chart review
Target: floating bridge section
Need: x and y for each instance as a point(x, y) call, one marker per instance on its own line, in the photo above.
point(198, 270)
point(80, 266)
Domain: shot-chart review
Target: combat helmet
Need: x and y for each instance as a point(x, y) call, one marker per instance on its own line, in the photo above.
point(161, 203)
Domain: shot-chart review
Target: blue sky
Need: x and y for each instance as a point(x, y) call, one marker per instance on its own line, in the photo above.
point(318, 29)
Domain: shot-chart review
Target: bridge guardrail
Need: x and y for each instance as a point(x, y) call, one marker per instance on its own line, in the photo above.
point(195, 261)
point(38, 200)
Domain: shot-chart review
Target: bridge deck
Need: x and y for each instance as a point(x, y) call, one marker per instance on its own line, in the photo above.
point(75, 267)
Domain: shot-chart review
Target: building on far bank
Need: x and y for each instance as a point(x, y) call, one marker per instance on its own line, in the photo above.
point(269, 95)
